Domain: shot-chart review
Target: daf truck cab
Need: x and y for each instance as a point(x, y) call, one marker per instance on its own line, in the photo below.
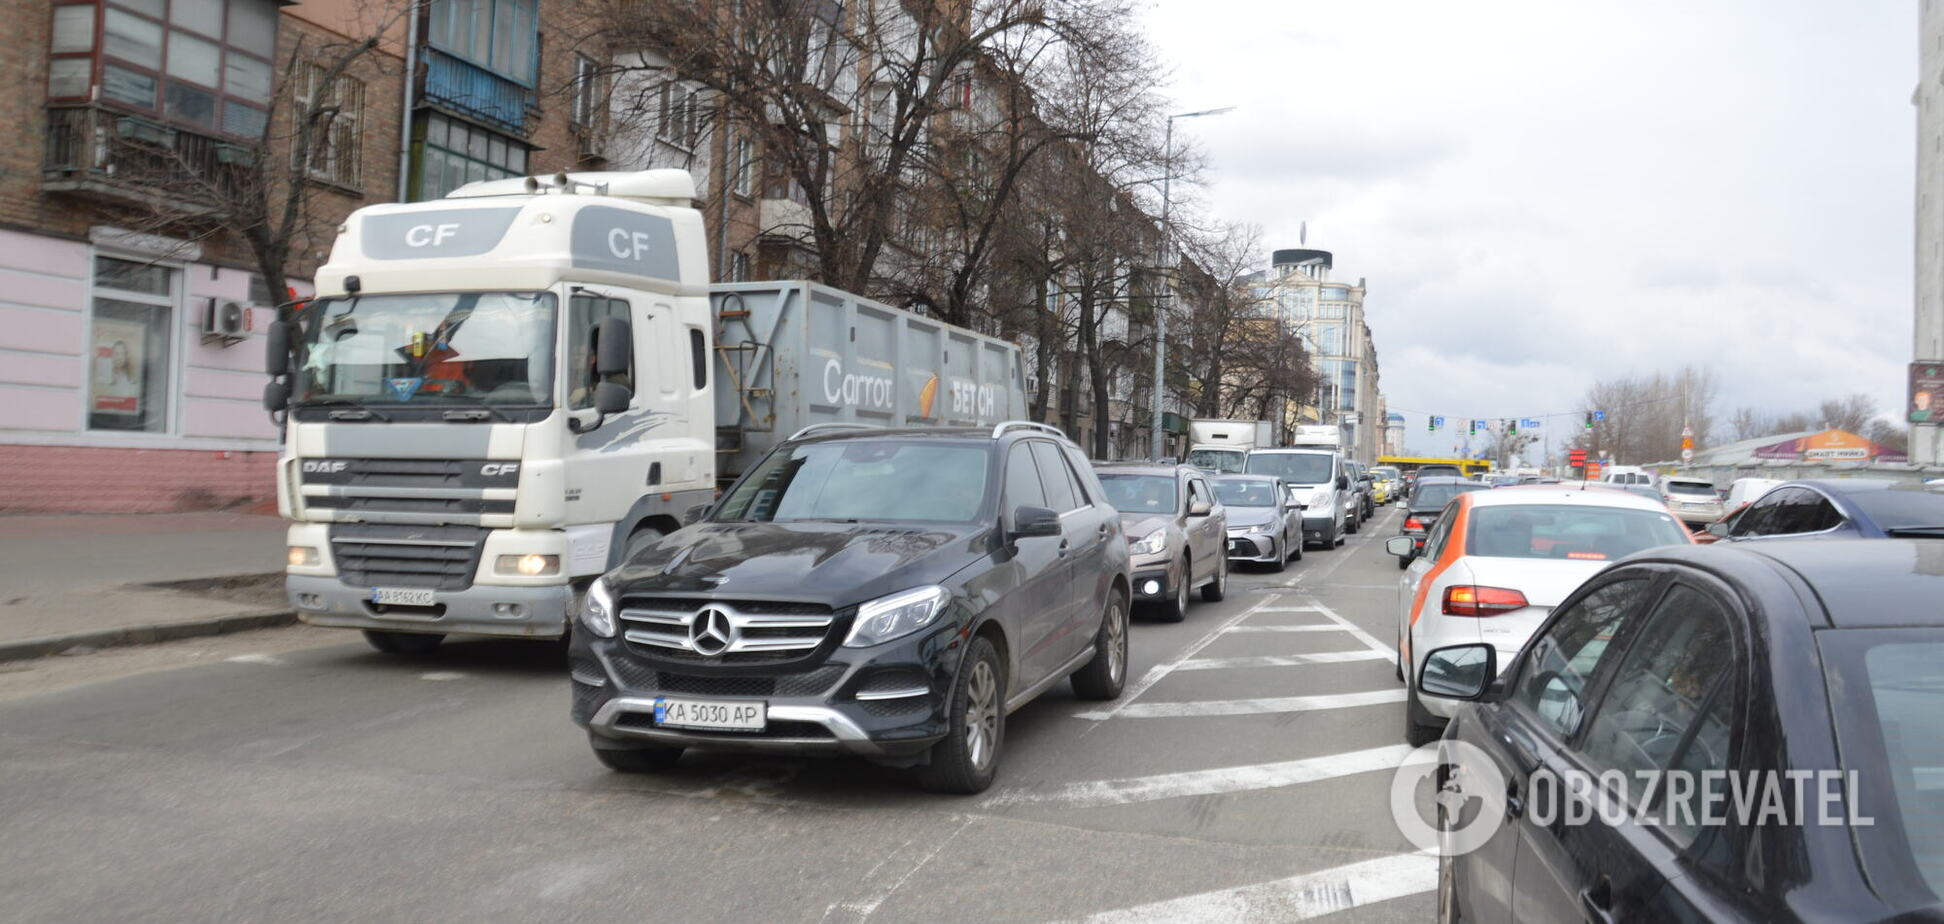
point(491, 399)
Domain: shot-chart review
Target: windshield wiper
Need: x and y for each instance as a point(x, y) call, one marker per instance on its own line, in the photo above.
point(1916, 530)
point(481, 412)
point(356, 410)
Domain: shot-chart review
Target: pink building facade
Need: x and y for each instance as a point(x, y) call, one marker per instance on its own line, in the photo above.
point(116, 395)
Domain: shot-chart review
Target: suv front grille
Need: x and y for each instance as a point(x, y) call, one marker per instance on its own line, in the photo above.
point(384, 555)
point(738, 632)
point(639, 679)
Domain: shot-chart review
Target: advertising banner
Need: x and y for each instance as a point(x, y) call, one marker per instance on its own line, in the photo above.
point(1926, 392)
point(116, 374)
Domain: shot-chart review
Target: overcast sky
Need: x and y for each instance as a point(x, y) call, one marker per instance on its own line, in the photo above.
point(1546, 193)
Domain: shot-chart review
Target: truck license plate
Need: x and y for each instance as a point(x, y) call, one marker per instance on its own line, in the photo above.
point(401, 596)
point(692, 713)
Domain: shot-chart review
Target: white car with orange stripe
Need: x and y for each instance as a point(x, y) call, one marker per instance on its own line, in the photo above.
point(1496, 562)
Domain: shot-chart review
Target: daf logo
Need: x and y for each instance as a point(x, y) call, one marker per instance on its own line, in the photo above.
point(325, 465)
point(710, 632)
point(496, 469)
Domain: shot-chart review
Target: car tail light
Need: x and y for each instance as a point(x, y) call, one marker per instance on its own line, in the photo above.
point(1472, 600)
point(1413, 523)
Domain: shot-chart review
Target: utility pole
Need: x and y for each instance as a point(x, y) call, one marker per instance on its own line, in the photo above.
point(1168, 271)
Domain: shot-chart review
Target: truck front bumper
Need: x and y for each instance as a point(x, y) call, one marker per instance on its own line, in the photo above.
point(482, 609)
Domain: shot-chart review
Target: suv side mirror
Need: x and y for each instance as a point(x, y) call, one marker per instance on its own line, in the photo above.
point(1401, 546)
point(1029, 521)
point(1459, 672)
point(1718, 529)
point(1200, 508)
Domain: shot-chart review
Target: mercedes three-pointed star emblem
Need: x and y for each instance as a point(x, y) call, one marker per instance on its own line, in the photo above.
point(710, 632)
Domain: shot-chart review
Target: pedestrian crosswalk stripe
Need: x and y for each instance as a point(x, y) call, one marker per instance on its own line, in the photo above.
point(1296, 898)
point(1325, 657)
point(1245, 778)
point(1263, 706)
point(1320, 627)
point(1370, 641)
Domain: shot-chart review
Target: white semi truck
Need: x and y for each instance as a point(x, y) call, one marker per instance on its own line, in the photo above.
point(495, 397)
point(1224, 445)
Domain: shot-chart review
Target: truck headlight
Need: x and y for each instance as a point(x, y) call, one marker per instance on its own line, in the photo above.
point(1319, 499)
point(1150, 544)
point(528, 565)
point(303, 556)
point(895, 616)
point(597, 609)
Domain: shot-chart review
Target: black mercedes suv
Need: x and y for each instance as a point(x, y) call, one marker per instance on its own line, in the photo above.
point(889, 594)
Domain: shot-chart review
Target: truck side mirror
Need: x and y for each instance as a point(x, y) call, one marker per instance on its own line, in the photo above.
point(276, 395)
point(276, 346)
point(1343, 482)
point(612, 398)
point(613, 347)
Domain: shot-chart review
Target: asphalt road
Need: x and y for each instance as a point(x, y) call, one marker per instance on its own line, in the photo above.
point(296, 774)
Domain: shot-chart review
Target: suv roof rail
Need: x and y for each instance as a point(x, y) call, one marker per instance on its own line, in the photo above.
point(832, 425)
point(1005, 425)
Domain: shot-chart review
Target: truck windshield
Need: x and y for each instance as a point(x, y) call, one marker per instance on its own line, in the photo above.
point(1297, 468)
point(863, 480)
point(429, 349)
point(1226, 461)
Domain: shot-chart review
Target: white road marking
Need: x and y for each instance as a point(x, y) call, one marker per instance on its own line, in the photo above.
point(443, 675)
point(1159, 671)
point(1324, 657)
point(1263, 706)
point(1296, 898)
point(860, 909)
point(1389, 651)
point(1245, 778)
point(1329, 627)
point(1289, 609)
point(255, 659)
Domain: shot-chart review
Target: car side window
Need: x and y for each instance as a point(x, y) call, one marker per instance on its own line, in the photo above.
point(1022, 480)
point(1054, 476)
point(1076, 463)
point(1761, 515)
point(1199, 490)
point(1672, 702)
point(1820, 514)
point(1441, 530)
point(1560, 662)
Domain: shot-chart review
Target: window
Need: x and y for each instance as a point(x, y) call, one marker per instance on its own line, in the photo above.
point(205, 64)
point(498, 35)
point(745, 167)
point(680, 122)
point(1060, 493)
point(129, 346)
point(739, 268)
point(587, 92)
point(1558, 670)
point(584, 314)
point(337, 133)
point(1671, 703)
point(871, 480)
point(1581, 532)
point(456, 153)
point(699, 358)
point(1888, 686)
point(1022, 480)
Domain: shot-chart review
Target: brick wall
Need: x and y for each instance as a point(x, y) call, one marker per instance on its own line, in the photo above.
point(74, 479)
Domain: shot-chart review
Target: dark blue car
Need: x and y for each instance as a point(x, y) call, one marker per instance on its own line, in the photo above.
point(1841, 508)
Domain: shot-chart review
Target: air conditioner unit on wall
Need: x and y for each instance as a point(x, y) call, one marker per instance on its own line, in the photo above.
point(225, 321)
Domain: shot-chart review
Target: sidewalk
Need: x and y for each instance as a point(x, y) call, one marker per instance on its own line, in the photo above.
point(88, 580)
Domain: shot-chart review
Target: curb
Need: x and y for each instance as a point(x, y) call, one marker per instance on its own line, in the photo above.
point(143, 635)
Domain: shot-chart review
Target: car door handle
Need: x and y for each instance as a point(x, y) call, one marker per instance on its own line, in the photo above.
point(1063, 548)
point(1597, 901)
point(1104, 529)
point(1514, 800)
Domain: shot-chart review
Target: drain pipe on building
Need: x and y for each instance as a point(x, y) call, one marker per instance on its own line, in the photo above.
point(405, 103)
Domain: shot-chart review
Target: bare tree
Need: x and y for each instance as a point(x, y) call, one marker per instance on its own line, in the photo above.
point(1645, 415)
point(1852, 413)
point(1232, 354)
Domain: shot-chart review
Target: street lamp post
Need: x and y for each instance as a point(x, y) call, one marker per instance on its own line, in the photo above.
point(1167, 241)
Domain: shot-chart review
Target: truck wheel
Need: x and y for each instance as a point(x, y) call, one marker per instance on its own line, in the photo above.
point(966, 761)
point(1215, 590)
point(1103, 677)
point(402, 643)
point(653, 759)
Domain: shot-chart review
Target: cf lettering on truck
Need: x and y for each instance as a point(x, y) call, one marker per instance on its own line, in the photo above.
point(497, 396)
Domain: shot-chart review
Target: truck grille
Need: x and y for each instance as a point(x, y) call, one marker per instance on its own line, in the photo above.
point(741, 631)
point(386, 555)
point(410, 490)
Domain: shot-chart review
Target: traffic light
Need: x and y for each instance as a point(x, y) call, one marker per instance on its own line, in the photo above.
point(1473, 430)
point(1512, 426)
point(1589, 420)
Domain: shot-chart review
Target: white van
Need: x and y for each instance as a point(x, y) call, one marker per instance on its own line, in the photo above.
point(1626, 474)
point(1746, 490)
point(1318, 480)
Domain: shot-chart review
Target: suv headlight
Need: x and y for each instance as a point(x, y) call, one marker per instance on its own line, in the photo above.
point(597, 609)
point(897, 615)
point(1319, 499)
point(1151, 544)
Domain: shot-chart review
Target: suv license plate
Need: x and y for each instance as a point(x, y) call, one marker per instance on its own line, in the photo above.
point(695, 713)
point(401, 596)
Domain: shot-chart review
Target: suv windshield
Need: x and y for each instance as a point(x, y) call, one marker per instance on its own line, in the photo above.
point(452, 348)
point(1561, 531)
point(863, 480)
point(1240, 493)
point(1226, 461)
point(1296, 468)
point(1139, 493)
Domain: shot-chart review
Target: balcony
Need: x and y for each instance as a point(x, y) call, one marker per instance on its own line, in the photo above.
point(120, 159)
point(785, 221)
point(470, 90)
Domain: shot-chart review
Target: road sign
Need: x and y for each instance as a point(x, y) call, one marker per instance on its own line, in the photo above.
point(1529, 423)
point(1687, 453)
point(1577, 457)
point(1599, 416)
point(1592, 470)
point(1437, 423)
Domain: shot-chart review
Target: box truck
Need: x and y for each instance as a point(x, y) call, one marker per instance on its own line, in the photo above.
point(1224, 445)
point(495, 397)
